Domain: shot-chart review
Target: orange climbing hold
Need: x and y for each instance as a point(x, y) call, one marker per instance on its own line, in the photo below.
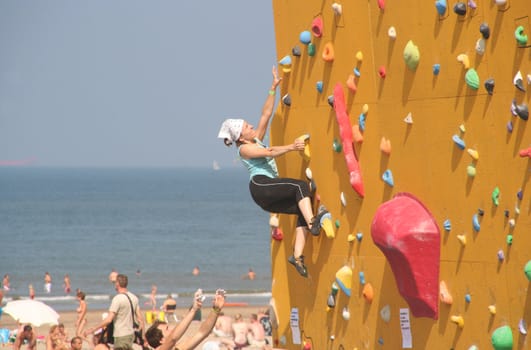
point(385, 146)
point(444, 294)
point(328, 52)
point(356, 133)
point(368, 292)
point(351, 83)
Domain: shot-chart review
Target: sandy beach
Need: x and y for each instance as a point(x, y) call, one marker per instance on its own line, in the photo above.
point(94, 316)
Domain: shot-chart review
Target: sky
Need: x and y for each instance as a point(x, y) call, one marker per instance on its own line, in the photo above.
point(130, 83)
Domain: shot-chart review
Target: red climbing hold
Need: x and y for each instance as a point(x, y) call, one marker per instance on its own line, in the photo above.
point(408, 235)
point(345, 132)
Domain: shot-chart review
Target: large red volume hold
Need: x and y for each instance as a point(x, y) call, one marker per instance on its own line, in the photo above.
point(410, 239)
point(345, 132)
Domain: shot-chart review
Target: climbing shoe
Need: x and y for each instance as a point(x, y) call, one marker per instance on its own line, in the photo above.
point(299, 265)
point(316, 223)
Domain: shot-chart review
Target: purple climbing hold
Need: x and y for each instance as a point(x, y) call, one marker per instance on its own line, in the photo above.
point(520, 194)
point(472, 4)
point(510, 126)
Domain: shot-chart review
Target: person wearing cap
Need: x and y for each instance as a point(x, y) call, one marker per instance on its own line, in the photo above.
point(271, 192)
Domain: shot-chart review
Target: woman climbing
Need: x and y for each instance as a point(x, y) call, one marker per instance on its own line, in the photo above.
point(271, 192)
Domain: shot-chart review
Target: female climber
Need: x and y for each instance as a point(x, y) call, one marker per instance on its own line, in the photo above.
point(271, 192)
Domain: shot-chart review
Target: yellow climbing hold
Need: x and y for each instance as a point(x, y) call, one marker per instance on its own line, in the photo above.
point(462, 239)
point(458, 320)
point(305, 138)
point(359, 56)
point(328, 227)
point(492, 309)
point(351, 237)
point(473, 153)
point(411, 55)
point(463, 58)
point(365, 109)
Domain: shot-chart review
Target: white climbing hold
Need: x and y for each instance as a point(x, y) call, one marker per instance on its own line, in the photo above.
point(409, 118)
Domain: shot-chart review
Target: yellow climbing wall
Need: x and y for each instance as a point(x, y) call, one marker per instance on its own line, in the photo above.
point(424, 161)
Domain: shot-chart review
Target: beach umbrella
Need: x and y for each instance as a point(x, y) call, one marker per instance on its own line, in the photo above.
point(31, 312)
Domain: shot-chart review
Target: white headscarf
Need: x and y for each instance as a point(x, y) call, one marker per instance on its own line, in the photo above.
point(231, 129)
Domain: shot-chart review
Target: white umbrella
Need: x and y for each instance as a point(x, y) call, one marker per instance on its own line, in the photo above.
point(31, 312)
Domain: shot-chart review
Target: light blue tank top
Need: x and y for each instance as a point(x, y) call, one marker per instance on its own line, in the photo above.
point(260, 166)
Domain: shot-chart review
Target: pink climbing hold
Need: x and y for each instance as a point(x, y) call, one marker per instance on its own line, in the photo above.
point(381, 4)
point(408, 235)
point(345, 132)
point(381, 72)
point(317, 27)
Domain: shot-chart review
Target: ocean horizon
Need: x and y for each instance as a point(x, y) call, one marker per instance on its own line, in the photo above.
point(152, 224)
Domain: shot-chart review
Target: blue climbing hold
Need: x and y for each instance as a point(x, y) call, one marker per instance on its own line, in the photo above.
point(436, 69)
point(459, 142)
point(361, 122)
point(447, 224)
point(388, 177)
point(319, 86)
point(357, 72)
point(305, 37)
point(441, 5)
point(359, 236)
point(362, 278)
point(475, 223)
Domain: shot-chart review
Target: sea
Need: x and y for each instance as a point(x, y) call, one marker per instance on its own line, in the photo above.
point(152, 224)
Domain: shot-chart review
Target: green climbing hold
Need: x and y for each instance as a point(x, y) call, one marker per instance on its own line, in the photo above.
point(521, 37)
point(509, 239)
point(472, 78)
point(502, 338)
point(411, 55)
point(311, 49)
point(527, 270)
point(337, 146)
point(496, 196)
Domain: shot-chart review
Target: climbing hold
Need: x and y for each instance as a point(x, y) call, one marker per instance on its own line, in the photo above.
point(468, 298)
point(365, 109)
point(319, 86)
point(345, 131)
point(484, 30)
point(447, 225)
point(359, 236)
point(337, 224)
point(463, 58)
point(480, 46)
point(458, 141)
point(481, 212)
point(520, 194)
point(512, 223)
point(311, 49)
point(509, 239)
point(518, 81)
point(460, 8)
point(492, 309)
point(286, 99)
point(411, 55)
point(343, 199)
point(331, 302)
point(328, 52)
point(391, 32)
point(509, 126)
point(462, 128)
point(351, 237)
point(337, 8)
point(409, 118)
point(444, 295)
point(473, 347)
point(362, 278)
point(475, 223)
point(500, 2)
point(472, 4)
point(359, 56)
point(306, 153)
point(368, 292)
point(472, 78)
point(489, 85)
point(345, 314)
point(521, 37)
point(522, 326)
point(473, 153)
point(381, 4)
point(516, 209)
point(527, 270)
point(356, 134)
point(307, 345)
point(277, 234)
point(441, 5)
point(357, 72)
point(305, 37)
point(388, 178)
point(351, 83)
point(471, 170)
point(296, 51)
point(361, 121)
point(436, 69)
point(273, 220)
point(285, 63)
point(462, 239)
point(381, 72)
point(309, 174)
point(317, 26)
point(506, 213)
point(458, 320)
point(344, 279)
point(331, 100)
point(385, 313)
point(526, 152)
point(496, 196)
point(502, 338)
point(336, 145)
point(501, 255)
point(326, 224)
point(385, 146)
point(401, 228)
point(520, 110)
